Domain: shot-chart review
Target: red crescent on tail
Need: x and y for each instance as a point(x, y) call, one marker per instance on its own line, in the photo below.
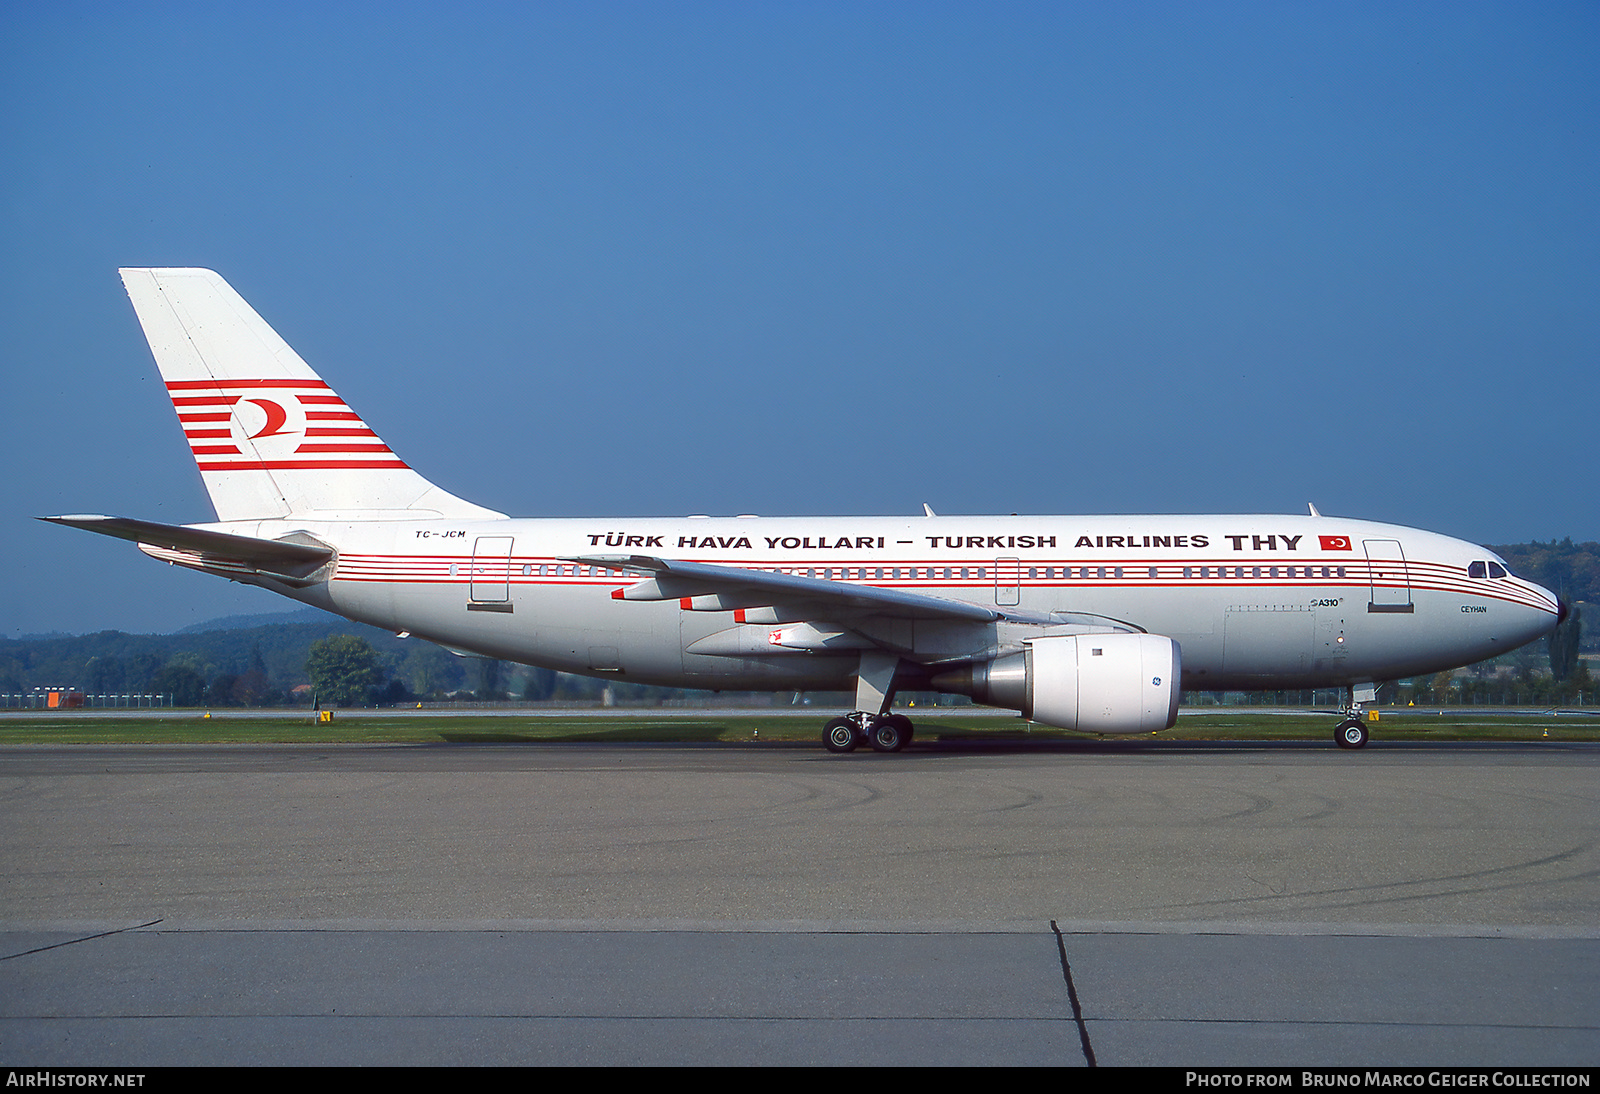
point(276, 416)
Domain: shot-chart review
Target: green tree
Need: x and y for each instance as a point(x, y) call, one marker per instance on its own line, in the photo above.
point(430, 670)
point(540, 685)
point(490, 672)
point(343, 669)
point(1564, 645)
point(253, 688)
point(180, 680)
point(104, 674)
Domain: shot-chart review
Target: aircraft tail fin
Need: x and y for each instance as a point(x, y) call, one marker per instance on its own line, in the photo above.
point(271, 439)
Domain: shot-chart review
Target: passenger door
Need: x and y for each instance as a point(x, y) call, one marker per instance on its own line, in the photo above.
point(489, 581)
point(1387, 573)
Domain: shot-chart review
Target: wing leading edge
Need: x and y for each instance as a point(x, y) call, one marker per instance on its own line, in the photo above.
point(726, 588)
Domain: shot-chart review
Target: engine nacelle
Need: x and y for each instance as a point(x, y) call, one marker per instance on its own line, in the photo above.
point(1098, 683)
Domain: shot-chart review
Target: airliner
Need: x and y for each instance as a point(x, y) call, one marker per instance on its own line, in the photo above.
point(1089, 623)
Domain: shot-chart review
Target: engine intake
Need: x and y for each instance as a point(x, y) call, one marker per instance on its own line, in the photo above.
point(1099, 683)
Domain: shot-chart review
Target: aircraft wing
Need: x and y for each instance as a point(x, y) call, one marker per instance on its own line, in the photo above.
point(730, 587)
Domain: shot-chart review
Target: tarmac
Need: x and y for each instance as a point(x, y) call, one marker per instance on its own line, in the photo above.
point(1136, 902)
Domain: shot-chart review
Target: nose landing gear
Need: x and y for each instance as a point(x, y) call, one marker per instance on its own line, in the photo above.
point(1352, 731)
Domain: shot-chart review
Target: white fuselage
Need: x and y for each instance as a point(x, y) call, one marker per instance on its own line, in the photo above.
point(1255, 602)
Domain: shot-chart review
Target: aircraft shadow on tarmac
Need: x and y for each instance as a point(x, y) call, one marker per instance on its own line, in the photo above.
point(708, 737)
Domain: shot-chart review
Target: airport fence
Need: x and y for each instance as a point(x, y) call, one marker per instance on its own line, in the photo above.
point(72, 700)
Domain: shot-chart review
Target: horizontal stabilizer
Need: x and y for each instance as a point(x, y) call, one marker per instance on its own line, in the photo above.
point(199, 548)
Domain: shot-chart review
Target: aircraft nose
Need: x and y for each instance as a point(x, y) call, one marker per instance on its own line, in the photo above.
point(1542, 618)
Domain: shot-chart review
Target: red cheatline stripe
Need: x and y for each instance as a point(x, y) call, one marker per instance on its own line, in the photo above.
point(332, 416)
point(228, 385)
point(339, 431)
point(322, 399)
point(307, 465)
point(219, 417)
point(201, 434)
point(215, 450)
point(205, 400)
point(436, 576)
point(380, 447)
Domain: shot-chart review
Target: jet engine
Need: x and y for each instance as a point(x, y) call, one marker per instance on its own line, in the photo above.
point(1098, 683)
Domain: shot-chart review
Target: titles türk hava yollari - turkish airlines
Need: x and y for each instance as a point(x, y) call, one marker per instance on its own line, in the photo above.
point(1086, 623)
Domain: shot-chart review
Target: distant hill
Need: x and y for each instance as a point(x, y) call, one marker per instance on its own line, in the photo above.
point(264, 619)
point(114, 662)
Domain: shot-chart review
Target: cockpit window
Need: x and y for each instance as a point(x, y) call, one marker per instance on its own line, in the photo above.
point(1478, 569)
point(1497, 570)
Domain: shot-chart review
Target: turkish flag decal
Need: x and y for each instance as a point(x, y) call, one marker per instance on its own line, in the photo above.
point(1335, 543)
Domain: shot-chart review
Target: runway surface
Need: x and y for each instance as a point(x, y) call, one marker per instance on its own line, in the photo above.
point(1216, 904)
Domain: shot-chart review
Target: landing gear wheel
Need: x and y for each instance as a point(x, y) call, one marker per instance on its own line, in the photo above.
point(1352, 733)
point(906, 728)
point(888, 734)
point(840, 735)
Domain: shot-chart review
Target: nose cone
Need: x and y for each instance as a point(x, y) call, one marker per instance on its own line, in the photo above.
point(1525, 612)
point(1546, 612)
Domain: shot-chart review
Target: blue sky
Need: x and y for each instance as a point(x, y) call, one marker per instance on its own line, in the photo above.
point(665, 258)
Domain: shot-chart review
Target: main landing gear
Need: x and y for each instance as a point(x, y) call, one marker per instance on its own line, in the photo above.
point(880, 732)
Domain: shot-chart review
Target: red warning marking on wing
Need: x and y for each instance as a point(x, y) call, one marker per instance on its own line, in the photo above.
point(274, 432)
